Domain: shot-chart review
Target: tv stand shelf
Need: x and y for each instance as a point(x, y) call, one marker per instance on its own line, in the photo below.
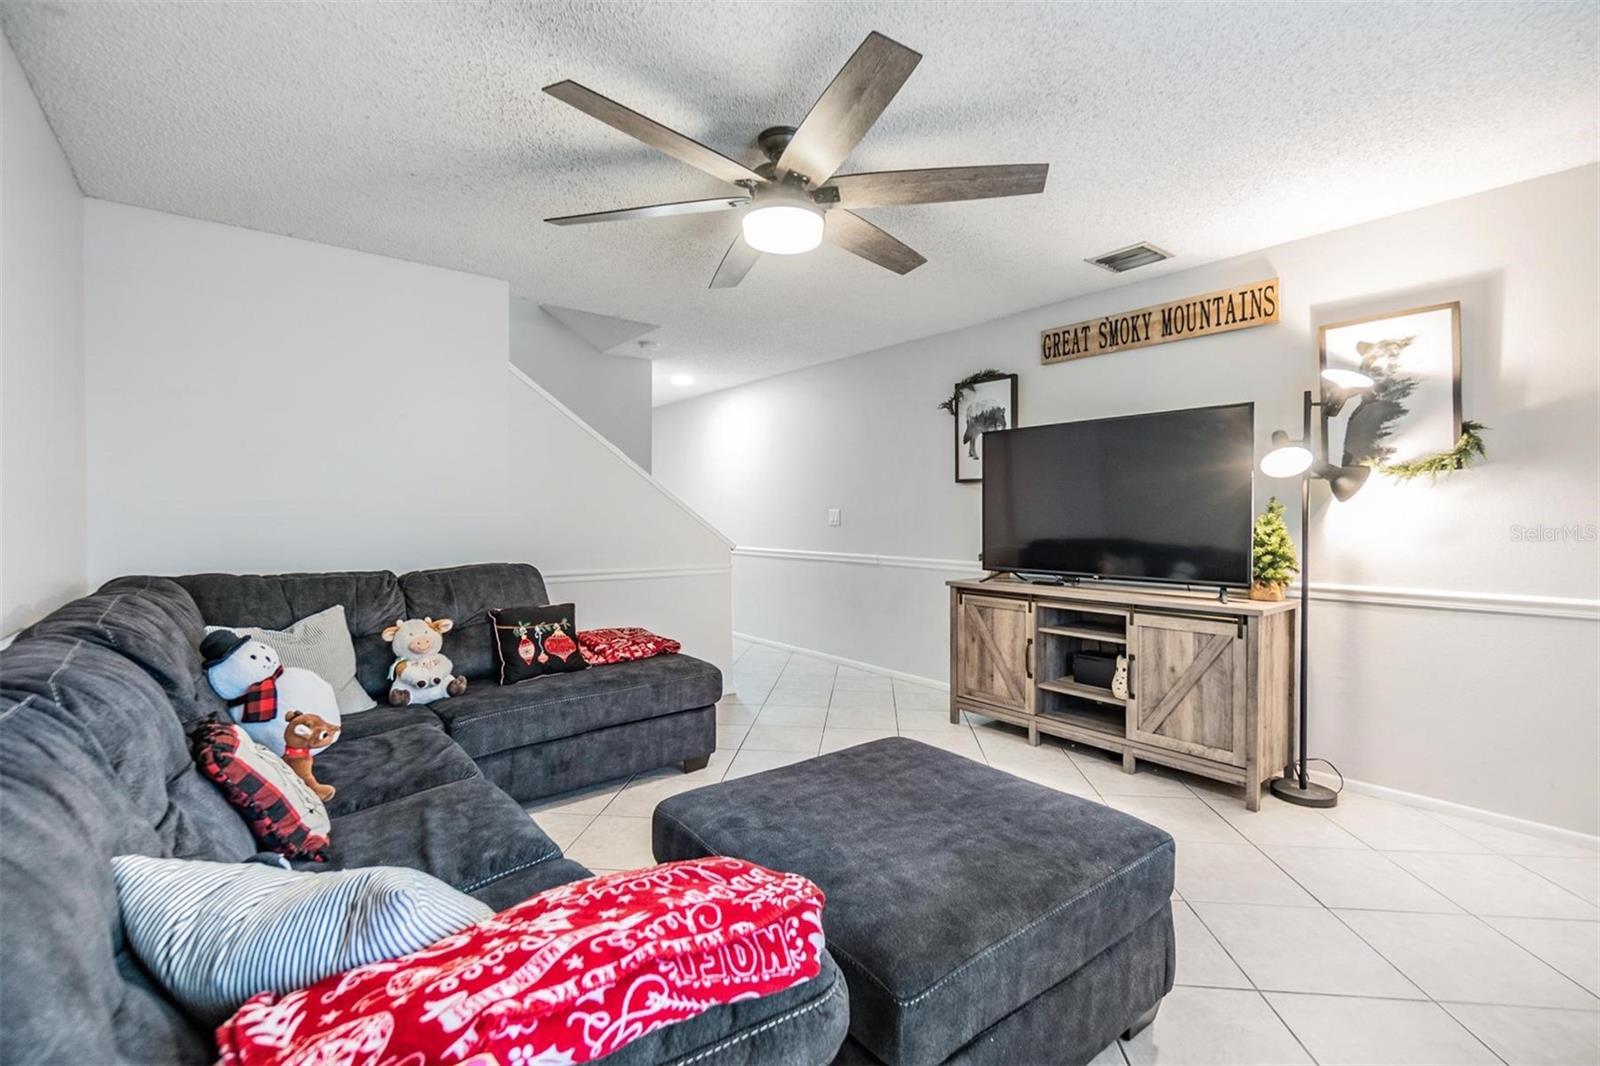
point(1211, 683)
point(1087, 632)
point(1068, 687)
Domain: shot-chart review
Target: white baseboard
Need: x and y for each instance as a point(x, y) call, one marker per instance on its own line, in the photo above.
point(1366, 788)
point(842, 661)
point(1461, 810)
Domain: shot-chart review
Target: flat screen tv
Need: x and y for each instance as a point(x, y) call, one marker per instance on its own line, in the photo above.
point(1161, 497)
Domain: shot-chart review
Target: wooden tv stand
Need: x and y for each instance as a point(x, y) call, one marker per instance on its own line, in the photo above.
point(1211, 681)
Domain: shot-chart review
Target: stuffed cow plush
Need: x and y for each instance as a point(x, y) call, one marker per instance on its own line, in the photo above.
point(421, 673)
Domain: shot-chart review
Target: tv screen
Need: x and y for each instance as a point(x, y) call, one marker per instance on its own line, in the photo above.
point(1161, 497)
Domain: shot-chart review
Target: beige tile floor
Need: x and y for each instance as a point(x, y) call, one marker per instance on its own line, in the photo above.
point(1369, 933)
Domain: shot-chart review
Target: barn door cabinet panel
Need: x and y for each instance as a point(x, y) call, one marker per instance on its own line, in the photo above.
point(1190, 695)
point(992, 651)
point(1210, 683)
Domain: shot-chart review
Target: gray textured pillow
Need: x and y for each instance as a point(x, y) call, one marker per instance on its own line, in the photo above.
point(319, 643)
point(214, 934)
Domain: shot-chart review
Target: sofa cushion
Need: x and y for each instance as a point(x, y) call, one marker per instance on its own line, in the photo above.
point(956, 893)
point(95, 765)
point(465, 595)
point(371, 601)
point(490, 718)
point(800, 1026)
point(467, 833)
point(151, 622)
point(100, 703)
point(385, 766)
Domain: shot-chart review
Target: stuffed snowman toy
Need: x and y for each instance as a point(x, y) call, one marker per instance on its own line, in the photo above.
point(261, 692)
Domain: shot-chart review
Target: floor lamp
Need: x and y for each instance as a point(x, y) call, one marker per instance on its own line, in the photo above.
point(1296, 458)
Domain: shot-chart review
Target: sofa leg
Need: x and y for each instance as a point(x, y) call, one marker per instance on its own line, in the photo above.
point(699, 762)
point(1142, 1022)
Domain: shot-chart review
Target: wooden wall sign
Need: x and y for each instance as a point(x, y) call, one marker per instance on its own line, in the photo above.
point(1194, 316)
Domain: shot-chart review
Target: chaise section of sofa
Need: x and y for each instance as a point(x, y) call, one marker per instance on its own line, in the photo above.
point(95, 702)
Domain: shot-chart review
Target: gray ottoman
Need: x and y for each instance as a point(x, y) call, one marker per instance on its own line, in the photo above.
point(977, 917)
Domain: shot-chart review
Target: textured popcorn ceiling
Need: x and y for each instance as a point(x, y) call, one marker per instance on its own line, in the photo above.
point(419, 131)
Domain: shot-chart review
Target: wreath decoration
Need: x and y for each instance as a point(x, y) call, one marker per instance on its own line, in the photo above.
point(966, 383)
point(1468, 450)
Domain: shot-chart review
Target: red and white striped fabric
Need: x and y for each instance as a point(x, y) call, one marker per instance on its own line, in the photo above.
point(623, 644)
point(567, 976)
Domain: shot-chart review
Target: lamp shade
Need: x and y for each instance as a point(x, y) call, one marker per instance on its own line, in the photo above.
point(1288, 458)
point(1345, 481)
point(1346, 379)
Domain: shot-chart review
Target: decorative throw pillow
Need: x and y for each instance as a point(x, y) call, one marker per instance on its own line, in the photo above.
point(533, 641)
point(319, 643)
point(214, 934)
point(569, 976)
point(623, 644)
point(281, 810)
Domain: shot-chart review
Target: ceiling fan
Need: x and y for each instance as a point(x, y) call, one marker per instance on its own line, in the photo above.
point(795, 199)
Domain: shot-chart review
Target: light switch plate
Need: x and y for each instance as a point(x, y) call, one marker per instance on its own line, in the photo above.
point(834, 518)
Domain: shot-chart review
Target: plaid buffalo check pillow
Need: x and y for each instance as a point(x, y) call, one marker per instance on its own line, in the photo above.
point(282, 811)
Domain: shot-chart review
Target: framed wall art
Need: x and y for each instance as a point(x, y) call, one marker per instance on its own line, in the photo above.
point(980, 407)
point(1413, 406)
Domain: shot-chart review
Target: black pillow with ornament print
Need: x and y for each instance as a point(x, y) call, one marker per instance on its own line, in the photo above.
point(534, 641)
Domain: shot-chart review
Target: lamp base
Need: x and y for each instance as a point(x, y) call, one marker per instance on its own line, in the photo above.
point(1313, 795)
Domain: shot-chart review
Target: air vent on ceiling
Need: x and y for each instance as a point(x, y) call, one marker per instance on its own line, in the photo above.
point(1134, 255)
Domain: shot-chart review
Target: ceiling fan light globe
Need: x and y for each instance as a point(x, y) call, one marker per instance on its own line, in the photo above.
point(1290, 460)
point(782, 229)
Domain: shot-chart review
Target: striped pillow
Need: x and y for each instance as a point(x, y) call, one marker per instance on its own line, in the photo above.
point(214, 934)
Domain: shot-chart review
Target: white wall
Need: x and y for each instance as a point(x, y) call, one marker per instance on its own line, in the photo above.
point(42, 497)
point(258, 403)
point(1455, 699)
point(610, 392)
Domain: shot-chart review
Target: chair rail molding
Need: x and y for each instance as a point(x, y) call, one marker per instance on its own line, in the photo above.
point(1578, 609)
point(638, 573)
point(905, 562)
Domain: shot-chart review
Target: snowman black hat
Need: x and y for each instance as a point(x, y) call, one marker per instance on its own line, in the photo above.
point(218, 645)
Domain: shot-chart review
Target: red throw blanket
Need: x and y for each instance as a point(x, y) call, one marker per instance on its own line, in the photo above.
point(568, 976)
point(603, 646)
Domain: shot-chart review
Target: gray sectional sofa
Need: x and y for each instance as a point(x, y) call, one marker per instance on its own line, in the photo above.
point(95, 704)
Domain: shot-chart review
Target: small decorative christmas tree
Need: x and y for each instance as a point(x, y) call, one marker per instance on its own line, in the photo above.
point(1272, 556)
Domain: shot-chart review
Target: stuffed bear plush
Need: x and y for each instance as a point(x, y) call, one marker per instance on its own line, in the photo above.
point(304, 735)
point(421, 672)
point(260, 691)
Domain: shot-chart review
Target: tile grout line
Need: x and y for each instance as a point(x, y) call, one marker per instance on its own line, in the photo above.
point(1517, 862)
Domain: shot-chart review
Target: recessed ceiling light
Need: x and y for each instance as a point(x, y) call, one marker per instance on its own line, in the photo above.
point(682, 379)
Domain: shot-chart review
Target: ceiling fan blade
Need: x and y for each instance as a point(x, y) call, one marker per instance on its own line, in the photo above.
point(652, 133)
point(682, 207)
point(848, 107)
point(736, 263)
point(937, 185)
point(855, 234)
